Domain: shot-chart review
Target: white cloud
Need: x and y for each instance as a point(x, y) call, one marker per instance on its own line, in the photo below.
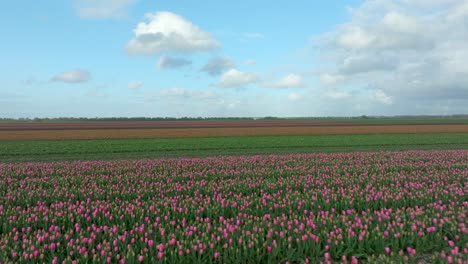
point(235, 78)
point(355, 38)
point(218, 65)
point(385, 25)
point(102, 8)
point(169, 32)
point(135, 85)
point(172, 63)
point(401, 23)
point(73, 76)
point(405, 52)
point(331, 79)
point(289, 81)
point(380, 96)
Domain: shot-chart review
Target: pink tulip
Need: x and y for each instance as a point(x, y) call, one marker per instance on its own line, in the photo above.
point(160, 255)
point(388, 250)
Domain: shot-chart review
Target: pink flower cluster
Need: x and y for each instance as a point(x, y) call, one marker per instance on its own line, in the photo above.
point(310, 208)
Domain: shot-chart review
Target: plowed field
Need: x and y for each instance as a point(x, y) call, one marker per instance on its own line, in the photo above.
point(49, 131)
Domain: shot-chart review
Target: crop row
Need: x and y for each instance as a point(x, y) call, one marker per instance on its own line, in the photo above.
point(108, 148)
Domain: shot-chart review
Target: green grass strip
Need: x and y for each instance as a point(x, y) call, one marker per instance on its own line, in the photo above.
point(44, 150)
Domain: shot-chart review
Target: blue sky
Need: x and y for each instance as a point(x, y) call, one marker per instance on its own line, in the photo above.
point(99, 58)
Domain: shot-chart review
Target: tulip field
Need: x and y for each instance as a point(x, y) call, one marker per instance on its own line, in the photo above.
point(371, 207)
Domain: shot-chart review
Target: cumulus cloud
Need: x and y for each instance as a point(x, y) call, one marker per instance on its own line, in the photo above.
point(72, 76)
point(172, 63)
point(235, 78)
point(289, 81)
point(135, 85)
point(401, 51)
point(102, 8)
point(218, 65)
point(169, 32)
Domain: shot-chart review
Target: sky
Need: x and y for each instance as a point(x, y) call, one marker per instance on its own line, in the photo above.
point(134, 58)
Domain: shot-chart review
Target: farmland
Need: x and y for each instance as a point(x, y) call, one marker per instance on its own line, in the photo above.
point(119, 130)
point(375, 207)
point(295, 191)
point(98, 149)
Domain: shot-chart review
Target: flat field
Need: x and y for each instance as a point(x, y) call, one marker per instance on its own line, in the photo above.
point(382, 207)
point(225, 131)
point(203, 201)
point(98, 149)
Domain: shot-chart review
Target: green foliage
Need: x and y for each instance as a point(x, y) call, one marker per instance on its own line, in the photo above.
point(176, 147)
point(379, 207)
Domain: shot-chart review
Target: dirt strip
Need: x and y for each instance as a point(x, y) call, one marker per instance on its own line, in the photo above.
point(178, 126)
point(163, 124)
point(216, 132)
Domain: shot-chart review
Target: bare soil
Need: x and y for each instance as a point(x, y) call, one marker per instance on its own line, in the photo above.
point(83, 133)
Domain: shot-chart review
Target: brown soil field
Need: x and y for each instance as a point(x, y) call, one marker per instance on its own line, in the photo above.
point(183, 124)
point(165, 125)
point(227, 131)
